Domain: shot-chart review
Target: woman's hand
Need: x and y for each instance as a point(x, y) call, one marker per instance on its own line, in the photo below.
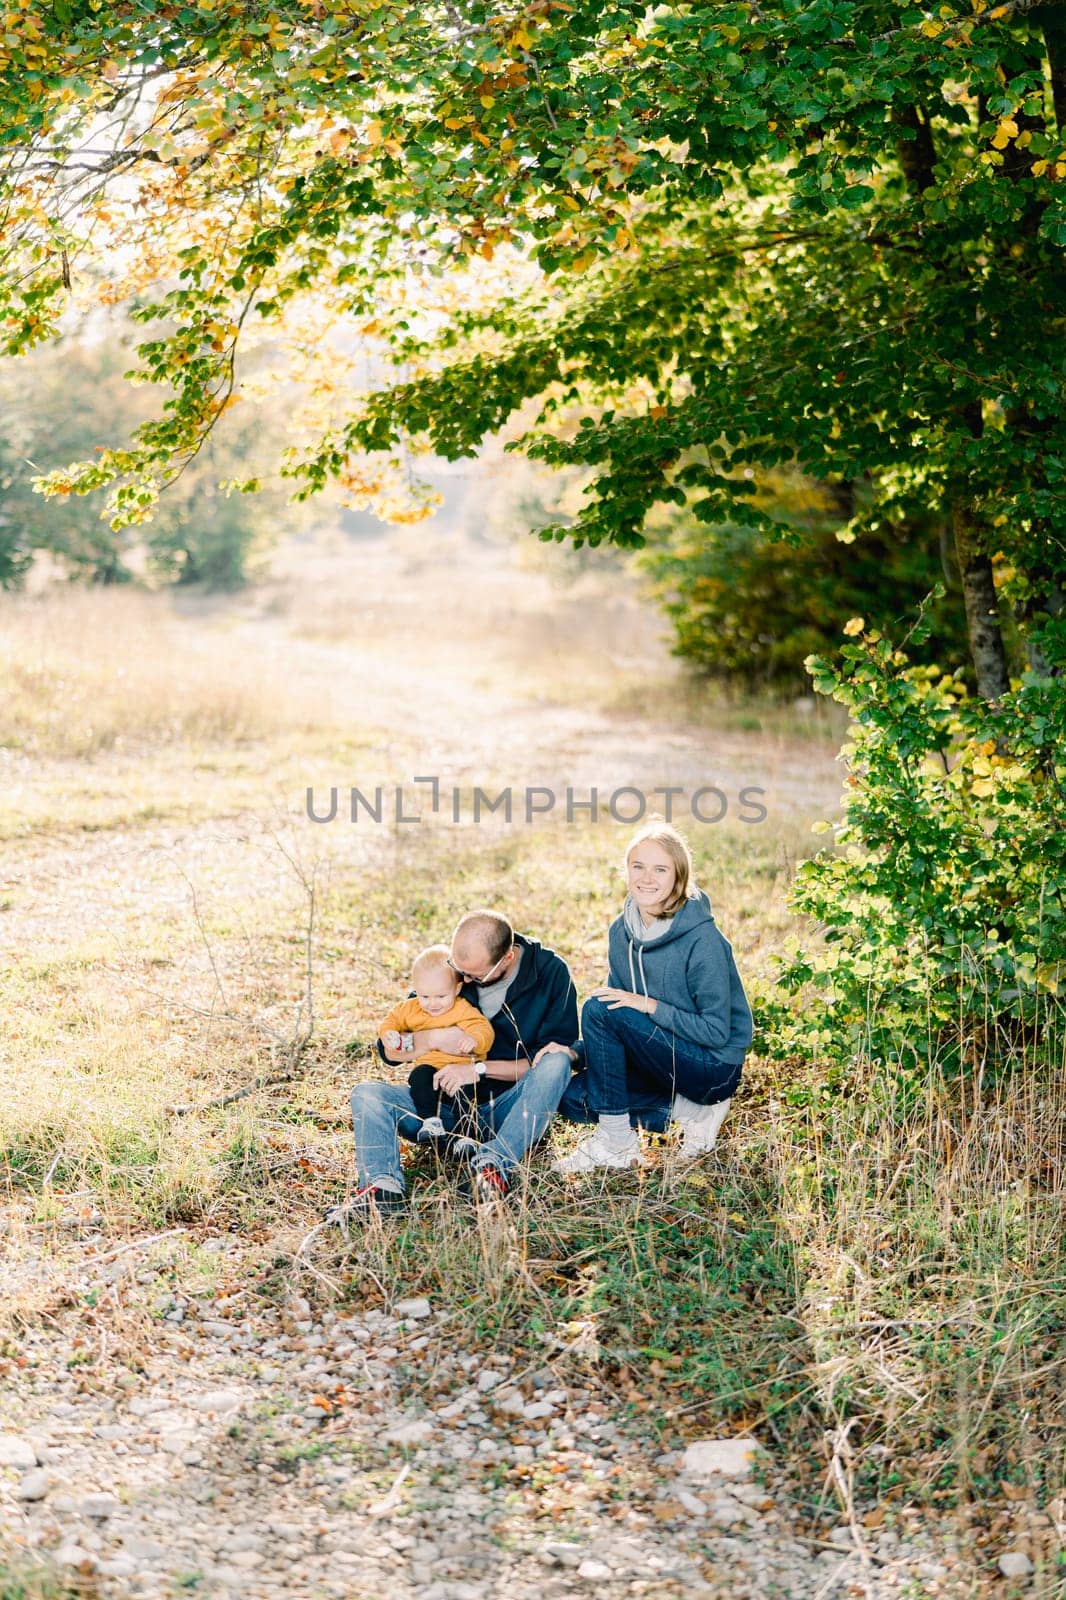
point(613, 998)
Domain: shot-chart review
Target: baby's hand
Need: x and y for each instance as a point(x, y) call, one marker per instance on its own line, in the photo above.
point(467, 1046)
point(391, 1039)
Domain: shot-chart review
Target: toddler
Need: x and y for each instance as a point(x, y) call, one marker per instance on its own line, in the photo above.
point(437, 1004)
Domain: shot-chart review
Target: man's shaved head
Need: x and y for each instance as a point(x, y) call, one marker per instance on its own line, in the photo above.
point(485, 933)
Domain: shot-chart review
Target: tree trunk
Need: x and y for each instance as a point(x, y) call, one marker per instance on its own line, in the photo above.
point(1053, 22)
point(982, 609)
point(917, 154)
point(1053, 602)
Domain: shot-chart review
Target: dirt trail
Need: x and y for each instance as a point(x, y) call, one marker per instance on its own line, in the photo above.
point(373, 700)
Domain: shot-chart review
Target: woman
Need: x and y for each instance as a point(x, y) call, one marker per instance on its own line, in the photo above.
point(672, 1026)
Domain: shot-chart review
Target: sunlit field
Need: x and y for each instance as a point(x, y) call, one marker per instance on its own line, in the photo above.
point(865, 1274)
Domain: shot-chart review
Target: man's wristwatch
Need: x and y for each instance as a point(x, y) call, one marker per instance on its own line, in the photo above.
point(481, 1067)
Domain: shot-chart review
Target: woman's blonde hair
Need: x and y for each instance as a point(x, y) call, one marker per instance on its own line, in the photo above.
point(662, 834)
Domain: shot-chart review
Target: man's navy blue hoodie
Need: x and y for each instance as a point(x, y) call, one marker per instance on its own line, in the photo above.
point(540, 1005)
point(690, 970)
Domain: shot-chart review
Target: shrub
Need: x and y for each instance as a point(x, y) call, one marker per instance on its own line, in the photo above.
point(944, 906)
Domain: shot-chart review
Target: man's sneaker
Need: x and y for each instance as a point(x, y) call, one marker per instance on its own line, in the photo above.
point(699, 1125)
point(368, 1204)
point(595, 1152)
point(432, 1128)
point(485, 1186)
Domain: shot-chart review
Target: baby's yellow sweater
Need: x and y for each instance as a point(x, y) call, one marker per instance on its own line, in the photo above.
point(409, 1017)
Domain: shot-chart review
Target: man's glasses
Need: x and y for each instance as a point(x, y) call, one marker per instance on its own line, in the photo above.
point(474, 977)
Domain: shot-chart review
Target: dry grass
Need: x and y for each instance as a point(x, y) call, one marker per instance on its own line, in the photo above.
point(88, 671)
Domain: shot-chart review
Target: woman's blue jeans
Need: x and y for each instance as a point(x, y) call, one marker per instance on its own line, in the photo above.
point(633, 1066)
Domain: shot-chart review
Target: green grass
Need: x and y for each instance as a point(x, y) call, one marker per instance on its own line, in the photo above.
point(40, 1582)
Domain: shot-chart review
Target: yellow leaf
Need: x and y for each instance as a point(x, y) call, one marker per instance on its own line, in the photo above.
point(1008, 126)
point(932, 30)
point(1060, 169)
point(856, 625)
point(487, 251)
point(373, 132)
point(522, 39)
point(1038, 169)
point(456, 122)
point(487, 100)
point(983, 788)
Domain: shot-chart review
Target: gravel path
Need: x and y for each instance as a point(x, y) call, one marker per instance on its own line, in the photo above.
point(156, 1443)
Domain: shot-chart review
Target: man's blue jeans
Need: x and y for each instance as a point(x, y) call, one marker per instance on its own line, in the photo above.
point(633, 1066)
point(509, 1126)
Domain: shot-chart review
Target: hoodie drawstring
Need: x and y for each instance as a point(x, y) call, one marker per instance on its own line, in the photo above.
point(632, 970)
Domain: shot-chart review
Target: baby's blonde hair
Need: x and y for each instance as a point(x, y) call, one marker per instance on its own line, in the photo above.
point(663, 834)
point(434, 956)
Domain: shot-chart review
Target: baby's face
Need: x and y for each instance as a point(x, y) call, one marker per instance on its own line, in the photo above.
point(436, 990)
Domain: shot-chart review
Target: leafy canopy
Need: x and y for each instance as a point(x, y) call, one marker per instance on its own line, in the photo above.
point(826, 231)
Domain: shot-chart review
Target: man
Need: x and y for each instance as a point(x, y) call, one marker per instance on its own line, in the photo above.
point(528, 995)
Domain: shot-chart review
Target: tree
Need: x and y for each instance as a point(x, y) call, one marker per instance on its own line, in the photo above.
point(70, 399)
point(826, 233)
point(749, 608)
point(825, 236)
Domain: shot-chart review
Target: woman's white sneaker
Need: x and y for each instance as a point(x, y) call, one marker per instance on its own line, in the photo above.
point(699, 1124)
point(595, 1152)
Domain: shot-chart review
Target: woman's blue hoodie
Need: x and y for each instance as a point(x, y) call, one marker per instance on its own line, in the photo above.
point(689, 969)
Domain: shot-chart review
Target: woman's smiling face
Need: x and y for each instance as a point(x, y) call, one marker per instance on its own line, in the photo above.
point(651, 876)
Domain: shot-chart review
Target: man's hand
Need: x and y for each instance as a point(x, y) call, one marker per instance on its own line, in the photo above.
point(391, 1039)
point(613, 998)
point(456, 1075)
point(546, 1049)
point(450, 1040)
